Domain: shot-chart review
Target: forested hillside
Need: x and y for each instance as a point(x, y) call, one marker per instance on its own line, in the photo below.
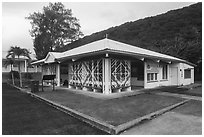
point(177, 33)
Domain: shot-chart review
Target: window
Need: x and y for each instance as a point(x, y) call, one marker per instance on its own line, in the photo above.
point(187, 73)
point(151, 77)
point(164, 72)
point(155, 76)
point(148, 76)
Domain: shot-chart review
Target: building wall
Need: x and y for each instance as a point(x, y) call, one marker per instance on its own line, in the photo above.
point(154, 67)
point(35, 68)
point(49, 69)
point(157, 68)
point(183, 80)
point(86, 74)
point(22, 67)
point(15, 67)
point(104, 75)
point(120, 73)
point(91, 74)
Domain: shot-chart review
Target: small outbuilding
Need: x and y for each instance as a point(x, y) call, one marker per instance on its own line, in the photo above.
point(107, 66)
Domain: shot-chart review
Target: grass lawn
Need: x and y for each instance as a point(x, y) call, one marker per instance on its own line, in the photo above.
point(113, 111)
point(22, 114)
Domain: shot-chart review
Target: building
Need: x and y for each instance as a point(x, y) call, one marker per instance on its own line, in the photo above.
point(24, 64)
point(108, 66)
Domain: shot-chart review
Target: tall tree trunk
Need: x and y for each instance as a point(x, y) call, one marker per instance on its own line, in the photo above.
point(19, 69)
point(12, 77)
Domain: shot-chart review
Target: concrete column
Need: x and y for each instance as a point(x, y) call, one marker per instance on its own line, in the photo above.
point(68, 74)
point(107, 76)
point(25, 65)
point(159, 75)
point(168, 74)
point(36, 68)
point(145, 74)
point(58, 74)
point(192, 75)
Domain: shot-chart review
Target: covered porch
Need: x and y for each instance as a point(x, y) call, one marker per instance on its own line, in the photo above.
point(103, 74)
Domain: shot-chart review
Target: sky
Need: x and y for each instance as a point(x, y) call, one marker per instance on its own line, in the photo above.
point(93, 17)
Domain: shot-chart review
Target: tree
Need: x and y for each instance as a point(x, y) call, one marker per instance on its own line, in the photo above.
point(17, 51)
point(42, 45)
point(10, 61)
point(53, 28)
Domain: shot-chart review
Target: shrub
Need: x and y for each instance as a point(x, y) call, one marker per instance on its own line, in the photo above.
point(15, 74)
point(27, 75)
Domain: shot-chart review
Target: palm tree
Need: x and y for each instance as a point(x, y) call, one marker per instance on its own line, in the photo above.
point(17, 51)
point(10, 61)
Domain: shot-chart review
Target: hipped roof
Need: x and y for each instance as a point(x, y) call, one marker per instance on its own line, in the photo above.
point(111, 46)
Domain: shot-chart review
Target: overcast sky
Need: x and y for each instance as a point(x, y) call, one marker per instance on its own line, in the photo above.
point(93, 17)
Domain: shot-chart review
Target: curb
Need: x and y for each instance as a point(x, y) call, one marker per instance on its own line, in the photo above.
point(21, 89)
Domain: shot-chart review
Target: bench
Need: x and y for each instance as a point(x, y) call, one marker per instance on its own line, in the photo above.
point(49, 77)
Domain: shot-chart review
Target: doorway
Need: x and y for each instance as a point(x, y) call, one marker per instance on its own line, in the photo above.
point(174, 76)
point(137, 74)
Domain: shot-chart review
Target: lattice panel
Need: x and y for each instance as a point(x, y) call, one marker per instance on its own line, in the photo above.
point(49, 69)
point(120, 73)
point(87, 73)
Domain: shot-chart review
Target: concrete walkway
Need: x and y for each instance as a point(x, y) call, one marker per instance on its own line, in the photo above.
point(183, 120)
point(179, 95)
point(124, 94)
point(98, 95)
point(170, 123)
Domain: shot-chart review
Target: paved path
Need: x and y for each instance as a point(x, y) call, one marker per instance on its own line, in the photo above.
point(179, 95)
point(170, 123)
point(123, 94)
point(98, 95)
point(184, 120)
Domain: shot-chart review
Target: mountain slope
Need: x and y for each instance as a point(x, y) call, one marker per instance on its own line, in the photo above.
point(177, 33)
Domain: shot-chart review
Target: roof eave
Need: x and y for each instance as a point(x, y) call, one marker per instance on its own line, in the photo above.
point(150, 56)
point(82, 55)
point(38, 62)
point(118, 52)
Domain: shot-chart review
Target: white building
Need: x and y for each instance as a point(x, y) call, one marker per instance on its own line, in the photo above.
point(24, 67)
point(109, 66)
